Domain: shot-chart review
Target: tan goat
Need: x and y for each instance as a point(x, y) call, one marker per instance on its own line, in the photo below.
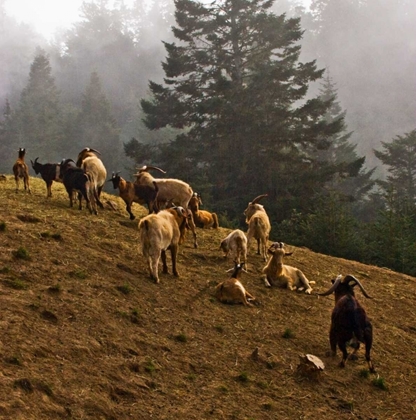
point(21, 170)
point(159, 232)
point(258, 225)
point(232, 290)
point(202, 218)
point(279, 274)
point(235, 245)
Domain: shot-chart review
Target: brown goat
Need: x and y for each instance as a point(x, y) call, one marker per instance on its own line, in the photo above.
point(232, 290)
point(21, 170)
point(159, 232)
point(202, 218)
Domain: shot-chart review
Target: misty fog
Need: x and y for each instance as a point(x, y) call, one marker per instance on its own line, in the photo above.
point(368, 48)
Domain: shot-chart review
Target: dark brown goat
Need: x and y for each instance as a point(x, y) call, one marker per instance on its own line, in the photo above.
point(49, 173)
point(135, 193)
point(349, 320)
point(21, 170)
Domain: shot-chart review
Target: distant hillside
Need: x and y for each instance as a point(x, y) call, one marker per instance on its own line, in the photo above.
point(85, 334)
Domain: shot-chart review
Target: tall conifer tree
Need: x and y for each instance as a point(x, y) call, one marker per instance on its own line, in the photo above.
point(234, 82)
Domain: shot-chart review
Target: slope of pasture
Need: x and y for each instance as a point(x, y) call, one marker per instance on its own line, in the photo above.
point(85, 334)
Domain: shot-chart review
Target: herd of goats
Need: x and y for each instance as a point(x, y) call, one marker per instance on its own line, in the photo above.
point(174, 208)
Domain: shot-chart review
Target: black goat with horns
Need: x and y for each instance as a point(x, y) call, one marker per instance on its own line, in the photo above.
point(349, 320)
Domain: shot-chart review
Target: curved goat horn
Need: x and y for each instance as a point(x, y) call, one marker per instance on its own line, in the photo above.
point(258, 198)
point(146, 168)
point(350, 277)
point(333, 287)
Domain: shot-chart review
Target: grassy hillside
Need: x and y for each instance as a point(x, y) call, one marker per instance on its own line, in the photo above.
point(85, 334)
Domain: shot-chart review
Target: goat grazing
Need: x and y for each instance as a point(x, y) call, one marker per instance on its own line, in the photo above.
point(236, 245)
point(349, 320)
point(258, 225)
point(21, 170)
point(169, 189)
point(133, 193)
point(91, 163)
point(76, 179)
point(275, 272)
point(232, 290)
point(49, 173)
point(202, 218)
point(159, 232)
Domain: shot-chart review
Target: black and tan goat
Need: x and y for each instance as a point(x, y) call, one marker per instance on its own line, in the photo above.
point(275, 273)
point(49, 173)
point(92, 164)
point(349, 320)
point(232, 290)
point(134, 193)
point(258, 225)
point(21, 170)
point(169, 188)
point(160, 232)
point(202, 218)
point(77, 180)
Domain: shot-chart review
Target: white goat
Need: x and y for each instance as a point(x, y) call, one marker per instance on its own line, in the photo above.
point(232, 290)
point(169, 189)
point(258, 225)
point(235, 245)
point(159, 232)
point(277, 273)
point(90, 162)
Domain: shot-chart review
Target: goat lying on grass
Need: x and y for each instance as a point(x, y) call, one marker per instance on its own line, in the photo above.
point(232, 290)
point(277, 273)
point(349, 320)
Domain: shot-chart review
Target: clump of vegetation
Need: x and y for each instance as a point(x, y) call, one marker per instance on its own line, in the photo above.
point(13, 360)
point(125, 289)
point(16, 284)
point(182, 338)
point(380, 383)
point(55, 289)
point(2, 226)
point(243, 377)
point(79, 274)
point(24, 384)
point(364, 373)
point(219, 328)
point(288, 333)
point(223, 389)
point(267, 406)
point(5, 270)
point(48, 235)
point(150, 366)
point(22, 253)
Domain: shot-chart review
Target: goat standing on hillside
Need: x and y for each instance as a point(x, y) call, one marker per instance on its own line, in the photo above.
point(258, 225)
point(235, 244)
point(159, 232)
point(349, 320)
point(21, 170)
point(277, 273)
point(49, 173)
point(202, 218)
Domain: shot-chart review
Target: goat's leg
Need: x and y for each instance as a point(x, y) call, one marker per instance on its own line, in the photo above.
point(333, 341)
point(368, 340)
point(258, 247)
point(174, 254)
point(16, 178)
point(343, 347)
point(165, 266)
point(154, 262)
point(128, 209)
point(27, 184)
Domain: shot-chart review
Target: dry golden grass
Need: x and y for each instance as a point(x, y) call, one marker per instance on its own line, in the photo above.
point(85, 334)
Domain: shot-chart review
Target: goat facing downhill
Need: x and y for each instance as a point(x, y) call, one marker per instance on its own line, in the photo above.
point(277, 273)
point(235, 245)
point(349, 320)
point(258, 225)
point(21, 170)
point(232, 290)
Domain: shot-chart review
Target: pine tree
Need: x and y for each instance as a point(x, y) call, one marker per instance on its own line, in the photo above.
point(97, 128)
point(234, 83)
point(38, 119)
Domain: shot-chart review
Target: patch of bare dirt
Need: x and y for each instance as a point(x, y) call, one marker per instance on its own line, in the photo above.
point(85, 333)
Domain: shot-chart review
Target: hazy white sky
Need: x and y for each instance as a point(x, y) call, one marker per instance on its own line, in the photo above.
point(48, 16)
